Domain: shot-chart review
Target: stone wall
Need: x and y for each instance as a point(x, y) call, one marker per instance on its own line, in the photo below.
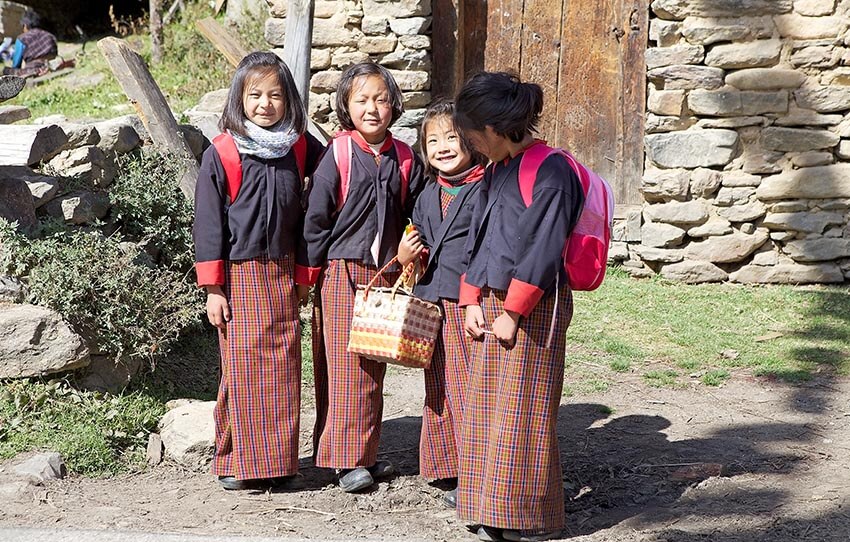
point(393, 33)
point(748, 144)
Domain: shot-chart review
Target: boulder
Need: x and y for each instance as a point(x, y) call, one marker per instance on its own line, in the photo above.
point(674, 212)
point(16, 203)
point(657, 57)
point(686, 77)
point(816, 158)
point(822, 56)
point(814, 8)
point(374, 25)
point(797, 139)
point(742, 213)
point(656, 124)
point(410, 26)
point(89, 164)
point(661, 235)
point(800, 27)
point(376, 45)
point(665, 33)
point(80, 135)
point(705, 182)
point(694, 272)
point(618, 252)
point(712, 227)
point(738, 195)
point(105, 374)
point(36, 341)
point(665, 102)
point(118, 135)
point(806, 117)
point(692, 148)
point(765, 79)
point(732, 122)
point(733, 103)
point(398, 8)
point(751, 54)
point(665, 184)
point(807, 222)
point(414, 80)
point(79, 207)
point(326, 81)
point(10, 114)
point(824, 99)
point(789, 274)
point(41, 468)
point(705, 31)
point(727, 248)
point(679, 9)
point(739, 178)
point(652, 254)
point(188, 434)
point(407, 59)
point(818, 250)
point(822, 182)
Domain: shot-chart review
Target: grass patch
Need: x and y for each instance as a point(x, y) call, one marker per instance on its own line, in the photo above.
point(661, 378)
point(715, 377)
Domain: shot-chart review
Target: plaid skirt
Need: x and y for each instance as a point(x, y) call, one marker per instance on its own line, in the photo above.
point(259, 397)
point(445, 388)
point(349, 387)
point(510, 470)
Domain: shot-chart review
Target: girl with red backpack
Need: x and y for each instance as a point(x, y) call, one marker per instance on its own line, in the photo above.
point(248, 228)
point(518, 306)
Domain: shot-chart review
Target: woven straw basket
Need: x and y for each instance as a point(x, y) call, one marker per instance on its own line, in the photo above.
point(392, 326)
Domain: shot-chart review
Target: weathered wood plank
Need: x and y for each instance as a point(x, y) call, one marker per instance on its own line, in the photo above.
point(29, 144)
point(218, 5)
point(634, 16)
point(541, 51)
point(504, 33)
point(472, 37)
point(153, 110)
point(226, 43)
point(447, 29)
point(297, 44)
point(155, 7)
point(13, 113)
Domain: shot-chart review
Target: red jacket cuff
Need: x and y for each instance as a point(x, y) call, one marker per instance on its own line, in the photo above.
point(210, 273)
point(469, 294)
point(522, 297)
point(306, 275)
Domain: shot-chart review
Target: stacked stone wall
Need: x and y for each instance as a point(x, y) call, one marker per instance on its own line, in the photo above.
point(747, 172)
point(393, 33)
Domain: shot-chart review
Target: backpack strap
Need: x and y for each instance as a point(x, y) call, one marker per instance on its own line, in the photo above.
point(225, 145)
point(405, 165)
point(341, 146)
point(532, 157)
point(300, 150)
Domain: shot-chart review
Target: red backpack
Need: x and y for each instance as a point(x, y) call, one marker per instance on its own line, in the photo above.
point(229, 154)
point(341, 146)
point(585, 254)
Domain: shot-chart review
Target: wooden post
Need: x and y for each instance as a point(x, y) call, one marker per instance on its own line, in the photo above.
point(156, 30)
point(296, 45)
point(139, 86)
point(226, 43)
point(218, 5)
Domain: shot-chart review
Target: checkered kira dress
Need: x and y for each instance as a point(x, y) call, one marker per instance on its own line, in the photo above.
point(510, 471)
point(259, 397)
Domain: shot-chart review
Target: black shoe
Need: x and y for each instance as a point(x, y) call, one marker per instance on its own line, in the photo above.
point(353, 480)
point(287, 483)
point(450, 498)
point(530, 536)
point(231, 483)
point(381, 469)
point(489, 534)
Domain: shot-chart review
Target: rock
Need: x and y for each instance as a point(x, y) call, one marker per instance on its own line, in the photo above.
point(664, 184)
point(766, 257)
point(411, 118)
point(377, 44)
point(674, 212)
point(343, 60)
point(789, 274)
point(36, 341)
point(664, 33)
point(823, 99)
point(806, 117)
point(824, 56)
point(731, 103)
point(408, 59)
point(409, 26)
point(758, 160)
point(213, 101)
point(799, 27)
point(818, 250)
point(16, 490)
point(11, 86)
point(665, 102)
point(651, 254)
point(822, 182)
point(105, 374)
point(765, 79)
point(415, 42)
point(714, 226)
point(789, 206)
point(188, 434)
point(398, 8)
point(705, 182)
point(692, 148)
point(751, 54)
point(195, 138)
point(80, 135)
point(840, 76)
point(618, 252)
point(16, 202)
point(153, 454)
point(679, 9)
point(412, 80)
point(661, 235)
point(727, 248)
point(686, 77)
point(10, 114)
point(743, 213)
point(11, 290)
point(408, 135)
point(656, 124)
point(28, 145)
point(374, 25)
point(634, 220)
point(326, 81)
point(809, 222)
point(814, 8)
point(732, 122)
point(796, 139)
point(694, 272)
point(118, 135)
point(738, 195)
point(739, 178)
point(705, 31)
point(41, 468)
point(657, 57)
point(79, 207)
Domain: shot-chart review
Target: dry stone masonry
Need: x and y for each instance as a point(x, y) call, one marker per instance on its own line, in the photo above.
point(748, 144)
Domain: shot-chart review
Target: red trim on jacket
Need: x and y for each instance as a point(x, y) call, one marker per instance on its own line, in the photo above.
point(210, 273)
point(357, 138)
point(522, 297)
point(306, 275)
point(469, 294)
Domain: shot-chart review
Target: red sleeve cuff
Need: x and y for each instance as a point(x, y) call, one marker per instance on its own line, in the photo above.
point(210, 273)
point(306, 275)
point(469, 294)
point(522, 297)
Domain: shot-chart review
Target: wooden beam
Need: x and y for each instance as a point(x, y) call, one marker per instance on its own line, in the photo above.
point(139, 86)
point(297, 44)
point(447, 30)
point(226, 43)
point(156, 30)
point(218, 5)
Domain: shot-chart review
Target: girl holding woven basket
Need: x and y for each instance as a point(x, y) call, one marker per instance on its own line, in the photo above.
point(248, 227)
point(518, 307)
point(441, 221)
point(361, 196)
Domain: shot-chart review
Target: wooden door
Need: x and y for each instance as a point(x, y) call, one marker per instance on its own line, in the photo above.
point(587, 56)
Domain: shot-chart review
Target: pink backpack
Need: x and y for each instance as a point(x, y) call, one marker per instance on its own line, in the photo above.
point(586, 252)
point(342, 156)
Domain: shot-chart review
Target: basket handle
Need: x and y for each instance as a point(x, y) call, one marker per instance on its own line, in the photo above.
point(380, 273)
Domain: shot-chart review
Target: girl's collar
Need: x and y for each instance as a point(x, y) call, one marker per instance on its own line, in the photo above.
point(471, 175)
point(364, 145)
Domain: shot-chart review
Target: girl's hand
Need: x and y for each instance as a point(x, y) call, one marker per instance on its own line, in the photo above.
point(303, 293)
point(474, 325)
point(409, 248)
point(505, 327)
point(218, 310)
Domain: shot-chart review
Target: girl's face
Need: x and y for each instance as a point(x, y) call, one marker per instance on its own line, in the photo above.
point(369, 108)
point(263, 99)
point(444, 149)
point(489, 143)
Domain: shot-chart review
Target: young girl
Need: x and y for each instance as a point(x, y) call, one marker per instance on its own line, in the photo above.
point(514, 290)
point(441, 218)
point(353, 225)
point(246, 234)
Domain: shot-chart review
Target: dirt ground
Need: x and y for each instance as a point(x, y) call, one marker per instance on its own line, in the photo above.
point(753, 460)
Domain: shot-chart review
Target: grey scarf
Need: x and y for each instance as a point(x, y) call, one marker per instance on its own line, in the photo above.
point(266, 143)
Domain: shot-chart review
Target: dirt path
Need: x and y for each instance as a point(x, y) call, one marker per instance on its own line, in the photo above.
point(751, 461)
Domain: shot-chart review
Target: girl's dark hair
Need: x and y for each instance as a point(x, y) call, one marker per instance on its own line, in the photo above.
point(500, 100)
point(346, 86)
point(31, 19)
point(262, 63)
point(444, 108)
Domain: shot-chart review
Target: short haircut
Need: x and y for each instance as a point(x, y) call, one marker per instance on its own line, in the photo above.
point(500, 100)
point(260, 64)
point(31, 19)
point(444, 108)
point(346, 87)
